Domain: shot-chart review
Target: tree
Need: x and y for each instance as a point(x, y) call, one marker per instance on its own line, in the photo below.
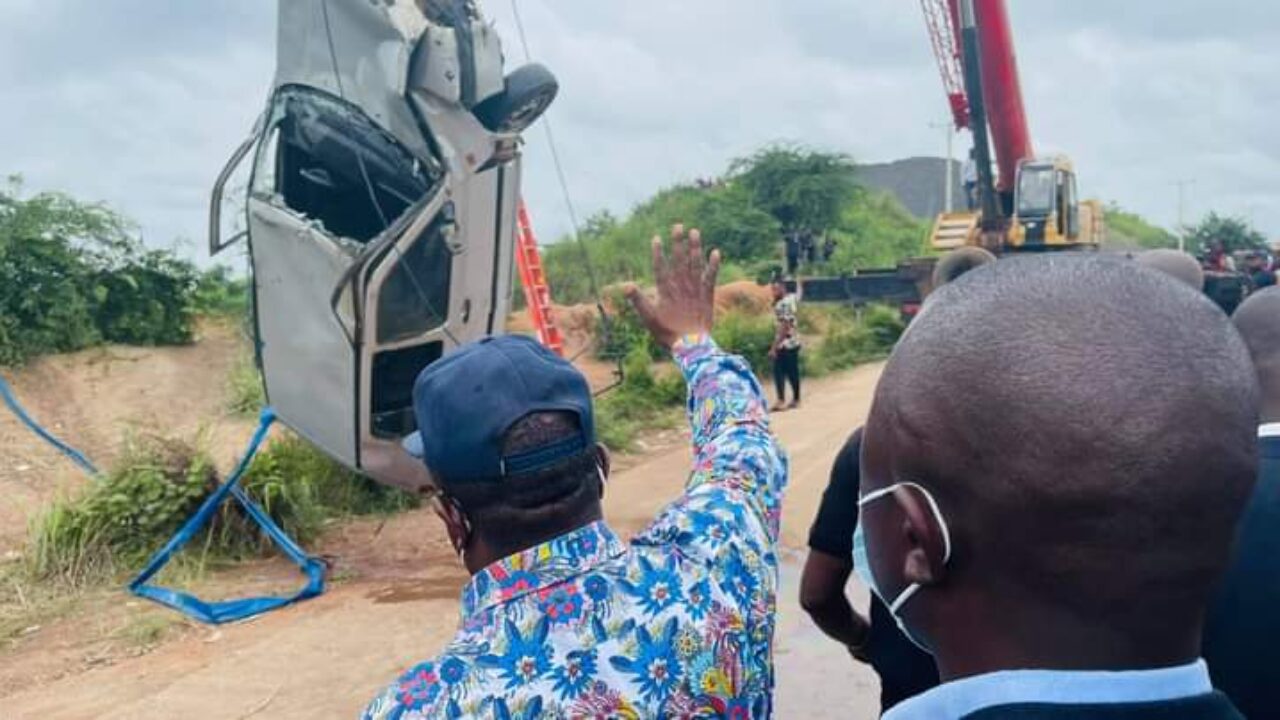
point(876, 231)
point(802, 189)
point(1234, 233)
point(72, 275)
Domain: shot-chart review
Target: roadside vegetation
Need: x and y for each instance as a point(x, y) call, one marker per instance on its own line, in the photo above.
point(746, 213)
point(652, 393)
point(74, 275)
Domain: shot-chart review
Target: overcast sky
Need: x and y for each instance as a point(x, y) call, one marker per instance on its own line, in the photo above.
point(138, 103)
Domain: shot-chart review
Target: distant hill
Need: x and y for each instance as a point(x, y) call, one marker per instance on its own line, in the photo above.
point(917, 182)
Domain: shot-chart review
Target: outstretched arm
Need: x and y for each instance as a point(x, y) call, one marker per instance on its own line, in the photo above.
point(735, 488)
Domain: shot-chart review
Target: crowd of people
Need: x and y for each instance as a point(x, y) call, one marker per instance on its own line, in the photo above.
point(1064, 501)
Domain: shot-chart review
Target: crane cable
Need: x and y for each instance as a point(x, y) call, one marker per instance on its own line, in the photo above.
point(606, 322)
point(373, 193)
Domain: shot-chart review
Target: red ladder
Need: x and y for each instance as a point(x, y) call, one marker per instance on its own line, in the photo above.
point(537, 296)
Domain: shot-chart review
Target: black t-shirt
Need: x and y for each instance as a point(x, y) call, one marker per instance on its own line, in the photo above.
point(1242, 635)
point(904, 669)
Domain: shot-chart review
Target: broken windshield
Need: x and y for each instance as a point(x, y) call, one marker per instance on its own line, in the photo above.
point(329, 162)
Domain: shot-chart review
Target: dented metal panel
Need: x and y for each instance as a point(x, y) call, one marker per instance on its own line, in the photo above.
point(381, 213)
point(358, 50)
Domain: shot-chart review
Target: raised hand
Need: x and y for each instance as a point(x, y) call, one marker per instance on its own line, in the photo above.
point(686, 289)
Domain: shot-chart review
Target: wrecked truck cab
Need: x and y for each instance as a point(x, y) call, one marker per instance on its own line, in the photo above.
point(380, 213)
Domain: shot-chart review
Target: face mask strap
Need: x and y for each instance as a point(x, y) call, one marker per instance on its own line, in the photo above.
point(903, 597)
point(933, 507)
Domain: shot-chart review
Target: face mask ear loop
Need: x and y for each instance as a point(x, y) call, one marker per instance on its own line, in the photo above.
point(903, 597)
point(937, 515)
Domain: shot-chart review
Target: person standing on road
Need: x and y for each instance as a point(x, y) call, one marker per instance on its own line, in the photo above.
point(1053, 534)
point(785, 350)
point(904, 669)
point(562, 618)
point(1240, 638)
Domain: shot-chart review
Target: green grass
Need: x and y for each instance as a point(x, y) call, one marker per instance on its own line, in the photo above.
point(115, 523)
point(245, 394)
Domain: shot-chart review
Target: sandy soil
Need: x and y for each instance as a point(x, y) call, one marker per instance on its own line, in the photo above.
point(396, 602)
point(94, 399)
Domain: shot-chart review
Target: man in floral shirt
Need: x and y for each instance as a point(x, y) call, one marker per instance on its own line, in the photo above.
point(562, 618)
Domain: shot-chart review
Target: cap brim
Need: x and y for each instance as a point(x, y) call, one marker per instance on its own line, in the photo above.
point(412, 444)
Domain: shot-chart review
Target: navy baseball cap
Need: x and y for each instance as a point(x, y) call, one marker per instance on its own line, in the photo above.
point(466, 402)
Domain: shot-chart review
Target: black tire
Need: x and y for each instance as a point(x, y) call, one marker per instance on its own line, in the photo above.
point(958, 262)
point(529, 92)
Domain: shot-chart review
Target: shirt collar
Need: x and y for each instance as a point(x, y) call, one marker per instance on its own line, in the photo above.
point(542, 565)
point(969, 695)
point(1266, 430)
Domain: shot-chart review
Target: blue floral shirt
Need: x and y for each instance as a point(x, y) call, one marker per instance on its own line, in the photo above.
point(678, 623)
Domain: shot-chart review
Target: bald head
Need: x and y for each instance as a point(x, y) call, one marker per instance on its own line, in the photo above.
point(1258, 320)
point(1174, 263)
point(1087, 427)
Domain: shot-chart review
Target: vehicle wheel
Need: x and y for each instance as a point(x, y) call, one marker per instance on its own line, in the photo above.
point(958, 262)
point(530, 90)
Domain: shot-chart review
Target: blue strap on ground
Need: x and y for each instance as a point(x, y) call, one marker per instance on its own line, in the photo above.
point(230, 610)
point(6, 393)
point(190, 605)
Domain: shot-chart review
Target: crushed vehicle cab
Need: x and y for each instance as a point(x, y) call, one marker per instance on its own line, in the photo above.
point(380, 212)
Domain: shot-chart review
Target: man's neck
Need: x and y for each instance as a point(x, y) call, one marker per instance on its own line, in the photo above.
point(1050, 640)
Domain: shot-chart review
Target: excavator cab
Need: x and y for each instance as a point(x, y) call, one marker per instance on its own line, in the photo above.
point(379, 212)
point(1047, 211)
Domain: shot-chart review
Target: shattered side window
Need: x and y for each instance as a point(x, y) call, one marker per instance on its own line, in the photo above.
point(414, 298)
point(329, 162)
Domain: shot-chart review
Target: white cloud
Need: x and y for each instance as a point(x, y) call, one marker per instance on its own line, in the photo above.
point(138, 103)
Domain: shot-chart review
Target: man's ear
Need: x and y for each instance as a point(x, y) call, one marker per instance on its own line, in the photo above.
point(455, 523)
point(602, 461)
point(926, 557)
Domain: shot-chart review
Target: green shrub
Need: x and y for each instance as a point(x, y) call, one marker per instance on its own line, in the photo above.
point(218, 294)
point(747, 335)
point(245, 393)
point(144, 298)
point(625, 331)
point(849, 341)
point(123, 517)
point(120, 518)
point(72, 275)
point(885, 323)
point(292, 472)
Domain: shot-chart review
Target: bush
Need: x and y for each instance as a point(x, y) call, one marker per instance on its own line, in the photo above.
point(245, 393)
point(72, 275)
point(144, 298)
point(642, 401)
point(850, 341)
point(626, 333)
point(747, 335)
point(219, 294)
point(120, 519)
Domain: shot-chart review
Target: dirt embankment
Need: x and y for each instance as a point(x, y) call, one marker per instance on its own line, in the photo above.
point(96, 398)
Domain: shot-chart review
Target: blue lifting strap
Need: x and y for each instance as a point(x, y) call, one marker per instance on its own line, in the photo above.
point(6, 393)
point(230, 610)
point(190, 605)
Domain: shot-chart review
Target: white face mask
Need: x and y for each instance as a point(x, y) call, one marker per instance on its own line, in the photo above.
point(862, 562)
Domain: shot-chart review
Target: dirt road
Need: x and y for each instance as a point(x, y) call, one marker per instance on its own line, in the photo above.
point(397, 605)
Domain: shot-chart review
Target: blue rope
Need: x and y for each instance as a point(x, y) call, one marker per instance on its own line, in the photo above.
point(230, 610)
point(6, 393)
point(186, 603)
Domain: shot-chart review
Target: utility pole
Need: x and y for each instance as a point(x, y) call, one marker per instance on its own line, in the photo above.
point(947, 205)
point(1182, 225)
